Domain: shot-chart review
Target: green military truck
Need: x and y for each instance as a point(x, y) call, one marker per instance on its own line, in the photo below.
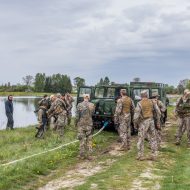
point(105, 98)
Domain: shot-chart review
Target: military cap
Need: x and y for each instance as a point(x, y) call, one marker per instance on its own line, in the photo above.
point(52, 96)
point(58, 95)
point(144, 92)
point(86, 96)
point(186, 91)
point(155, 94)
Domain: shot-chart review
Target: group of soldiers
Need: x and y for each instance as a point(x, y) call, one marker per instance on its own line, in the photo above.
point(56, 110)
point(147, 117)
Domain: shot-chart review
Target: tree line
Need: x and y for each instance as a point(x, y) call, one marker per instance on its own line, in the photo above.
point(43, 83)
point(62, 83)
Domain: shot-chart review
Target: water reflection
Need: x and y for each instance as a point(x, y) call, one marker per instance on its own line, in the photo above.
point(23, 111)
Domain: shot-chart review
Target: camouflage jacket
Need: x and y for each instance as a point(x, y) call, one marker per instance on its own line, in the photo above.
point(42, 115)
point(183, 107)
point(69, 102)
point(57, 107)
point(84, 113)
point(119, 108)
point(138, 116)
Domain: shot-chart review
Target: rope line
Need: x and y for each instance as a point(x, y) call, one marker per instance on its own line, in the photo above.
point(51, 150)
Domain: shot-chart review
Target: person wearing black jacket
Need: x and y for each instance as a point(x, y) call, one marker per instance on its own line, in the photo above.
point(9, 112)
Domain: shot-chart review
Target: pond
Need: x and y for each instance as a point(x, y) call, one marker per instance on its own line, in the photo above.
point(24, 108)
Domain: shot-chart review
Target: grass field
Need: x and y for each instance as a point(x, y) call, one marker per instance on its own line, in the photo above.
point(110, 168)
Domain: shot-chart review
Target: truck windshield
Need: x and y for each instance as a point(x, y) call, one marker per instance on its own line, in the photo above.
point(84, 91)
point(99, 93)
point(110, 93)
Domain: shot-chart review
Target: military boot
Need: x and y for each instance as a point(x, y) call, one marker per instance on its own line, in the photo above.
point(152, 158)
point(81, 157)
point(123, 148)
point(90, 158)
point(177, 143)
point(140, 158)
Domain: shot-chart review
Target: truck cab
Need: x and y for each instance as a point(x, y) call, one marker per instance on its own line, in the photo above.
point(104, 98)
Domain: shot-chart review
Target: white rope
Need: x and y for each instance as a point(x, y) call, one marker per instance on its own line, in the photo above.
point(51, 150)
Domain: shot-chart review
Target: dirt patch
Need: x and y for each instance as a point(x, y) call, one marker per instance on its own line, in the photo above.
point(79, 174)
point(146, 178)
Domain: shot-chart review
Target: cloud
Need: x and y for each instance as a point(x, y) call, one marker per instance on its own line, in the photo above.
point(91, 38)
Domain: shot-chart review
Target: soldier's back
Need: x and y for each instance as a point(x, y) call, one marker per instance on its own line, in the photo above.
point(147, 108)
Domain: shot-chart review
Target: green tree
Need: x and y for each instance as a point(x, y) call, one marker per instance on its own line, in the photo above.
point(170, 89)
point(180, 89)
point(60, 83)
point(136, 79)
point(48, 84)
point(78, 81)
point(188, 86)
point(28, 79)
point(39, 82)
point(106, 81)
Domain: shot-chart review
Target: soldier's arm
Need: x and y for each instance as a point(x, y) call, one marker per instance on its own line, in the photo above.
point(118, 110)
point(137, 115)
point(92, 108)
point(132, 108)
point(39, 103)
point(51, 109)
point(40, 114)
point(157, 114)
point(77, 117)
point(162, 106)
point(71, 99)
point(178, 103)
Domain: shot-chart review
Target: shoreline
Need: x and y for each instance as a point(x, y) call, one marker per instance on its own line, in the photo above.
point(37, 94)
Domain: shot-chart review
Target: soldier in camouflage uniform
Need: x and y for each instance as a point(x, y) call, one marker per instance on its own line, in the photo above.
point(59, 111)
point(162, 108)
point(84, 124)
point(45, 100)
point(69, 100)
point(123, 114)
point(183, 117)
point(42, 119)
point(144, 118)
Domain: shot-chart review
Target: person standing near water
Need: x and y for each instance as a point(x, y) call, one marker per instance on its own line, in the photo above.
point(9, 112)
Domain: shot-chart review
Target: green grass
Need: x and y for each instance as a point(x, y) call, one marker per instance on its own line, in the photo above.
point(119, 175)
point(178, 173)
point(172, 167)
point(21, 142)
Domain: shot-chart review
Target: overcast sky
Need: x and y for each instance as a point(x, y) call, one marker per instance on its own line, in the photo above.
point(121, 39)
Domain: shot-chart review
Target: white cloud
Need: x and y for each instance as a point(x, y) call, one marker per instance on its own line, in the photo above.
point(78, 37)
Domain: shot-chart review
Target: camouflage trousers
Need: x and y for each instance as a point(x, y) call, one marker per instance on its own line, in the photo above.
point(147, 128)
point(61, 123)
point(85, 138)
point(183, 125)
point(69, 117)
point(159, 136)
point(124, 130)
